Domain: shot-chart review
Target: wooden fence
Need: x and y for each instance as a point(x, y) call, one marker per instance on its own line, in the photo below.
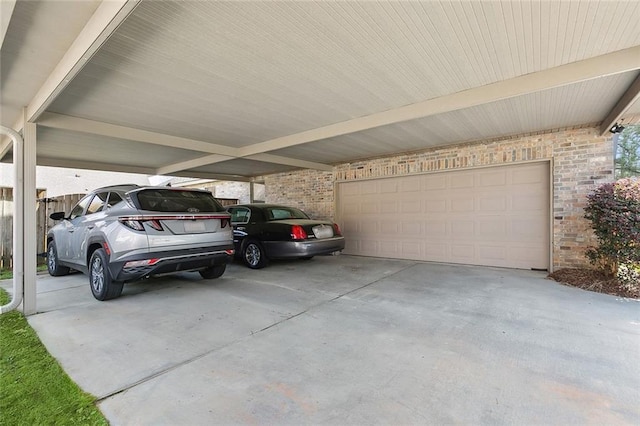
point(44, 207)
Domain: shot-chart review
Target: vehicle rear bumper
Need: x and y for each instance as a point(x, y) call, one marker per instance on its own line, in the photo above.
point(170, 261)
point(289, 249)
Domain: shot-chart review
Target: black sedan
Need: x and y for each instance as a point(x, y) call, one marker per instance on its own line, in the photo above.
point(268, 231)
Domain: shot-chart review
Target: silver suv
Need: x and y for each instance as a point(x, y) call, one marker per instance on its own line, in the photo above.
point(124, 233)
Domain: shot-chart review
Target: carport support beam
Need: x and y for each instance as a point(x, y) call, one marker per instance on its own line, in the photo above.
point(25, 235)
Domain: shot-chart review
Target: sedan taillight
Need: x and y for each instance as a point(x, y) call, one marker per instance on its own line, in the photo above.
point(298, 233)
point(336, 229)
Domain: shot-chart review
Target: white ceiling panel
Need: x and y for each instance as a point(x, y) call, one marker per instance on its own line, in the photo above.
point(322, 82)
point(35, 42)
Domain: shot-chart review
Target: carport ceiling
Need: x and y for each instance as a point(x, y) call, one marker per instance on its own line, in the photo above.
point(236, 90)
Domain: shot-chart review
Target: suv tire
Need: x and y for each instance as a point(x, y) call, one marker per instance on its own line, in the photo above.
point(213, 272)
point(53, 264)
point(102, 285)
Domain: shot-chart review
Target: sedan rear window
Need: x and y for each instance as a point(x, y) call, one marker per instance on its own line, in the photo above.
point(280, 213)
point(177, 201)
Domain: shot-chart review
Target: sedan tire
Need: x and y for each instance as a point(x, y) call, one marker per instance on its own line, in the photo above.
point(253, 255)
point(213, 272)
point(53, 264)
point(102, 285)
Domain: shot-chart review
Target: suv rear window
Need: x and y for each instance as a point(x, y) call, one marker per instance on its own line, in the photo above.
point(177, 201)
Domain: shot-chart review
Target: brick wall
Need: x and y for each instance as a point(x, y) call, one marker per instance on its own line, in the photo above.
point(581, 160)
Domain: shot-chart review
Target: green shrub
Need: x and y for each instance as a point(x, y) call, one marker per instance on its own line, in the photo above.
point(614, 212)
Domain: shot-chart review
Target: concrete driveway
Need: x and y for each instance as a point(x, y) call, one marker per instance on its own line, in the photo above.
point(348, 340)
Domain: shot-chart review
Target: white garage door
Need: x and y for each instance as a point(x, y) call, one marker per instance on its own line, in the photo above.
point(497, 216)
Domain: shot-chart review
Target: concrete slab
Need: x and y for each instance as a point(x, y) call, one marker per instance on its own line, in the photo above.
point(348, 340)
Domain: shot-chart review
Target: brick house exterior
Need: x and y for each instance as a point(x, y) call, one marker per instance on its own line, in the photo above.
point(580, 159)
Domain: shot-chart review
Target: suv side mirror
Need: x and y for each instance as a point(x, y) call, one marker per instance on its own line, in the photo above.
point(57, 216)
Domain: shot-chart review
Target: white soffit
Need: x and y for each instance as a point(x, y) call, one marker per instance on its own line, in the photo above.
point(296, 84)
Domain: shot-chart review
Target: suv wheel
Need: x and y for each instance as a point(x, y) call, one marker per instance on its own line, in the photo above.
point(213, 272)
point(53, 265)
point(102, 285)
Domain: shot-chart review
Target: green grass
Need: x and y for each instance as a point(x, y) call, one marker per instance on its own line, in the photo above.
point(7, 274)
point(34, 390)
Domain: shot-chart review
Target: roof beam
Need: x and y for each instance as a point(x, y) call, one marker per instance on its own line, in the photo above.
point(92, 165)
point(83, 164)
point(613, 63)
point(288, 161)
point(219, 152)
point(66, 122)
point(191, 164)
point(105, 20)
point(630, 96)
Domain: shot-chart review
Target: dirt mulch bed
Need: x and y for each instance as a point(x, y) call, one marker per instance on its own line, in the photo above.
point(592, 280)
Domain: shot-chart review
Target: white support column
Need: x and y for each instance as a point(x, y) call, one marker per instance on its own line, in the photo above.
point(26, 186)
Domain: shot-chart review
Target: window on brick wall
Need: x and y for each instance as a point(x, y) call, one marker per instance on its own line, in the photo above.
point(628, 152)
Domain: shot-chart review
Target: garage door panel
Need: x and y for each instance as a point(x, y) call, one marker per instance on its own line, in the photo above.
point(526, 175)
point(389, 208)
point(528, 202)
point(462, 228)
point(369, 208)
point(388, 187)
point(436, 252)
point(410, 206)
point(462, 180)
point(434, 182)
point(492, 203)
point(412, 184)
point(436, 205)
point(351, 209)
point(435, 228)
point(492, 253)
point(495, 216)
point(492, 178)
point(368, 187)
point(463, 252)
point(389, 227)
point(462, 204)
point(492, 229)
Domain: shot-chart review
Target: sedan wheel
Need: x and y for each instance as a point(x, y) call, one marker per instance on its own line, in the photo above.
point(254, 256)
point(102, 286)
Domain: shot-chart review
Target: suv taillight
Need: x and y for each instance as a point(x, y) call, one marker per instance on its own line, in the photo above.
point(298, 233)
point(137, 222)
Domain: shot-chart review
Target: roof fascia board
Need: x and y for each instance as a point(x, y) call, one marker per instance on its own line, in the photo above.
point(5, 146)
point(6, 12)
point(613, 63)
point(630, 96)
point(105, 20)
